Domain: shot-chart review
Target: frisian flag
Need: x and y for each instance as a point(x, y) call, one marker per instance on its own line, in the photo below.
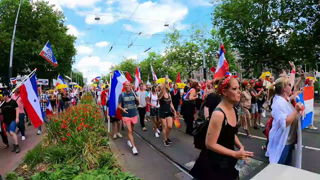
point(47, 54)
point(154, 76)
point(307, 99)
point(31, 102)
point(223, 66)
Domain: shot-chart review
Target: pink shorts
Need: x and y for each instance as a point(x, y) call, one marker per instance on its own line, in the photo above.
point(130, 120)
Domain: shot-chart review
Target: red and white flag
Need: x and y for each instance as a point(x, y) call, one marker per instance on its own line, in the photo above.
point(137, 79)
point(49, 110)
point(31, 102)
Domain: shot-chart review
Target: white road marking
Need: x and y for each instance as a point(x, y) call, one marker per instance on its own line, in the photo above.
point(263, 138)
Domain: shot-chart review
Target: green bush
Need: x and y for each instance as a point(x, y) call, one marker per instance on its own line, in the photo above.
point(75, 147)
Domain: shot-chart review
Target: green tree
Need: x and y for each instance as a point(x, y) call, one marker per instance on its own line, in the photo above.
point(268, 34)
point(37, 24)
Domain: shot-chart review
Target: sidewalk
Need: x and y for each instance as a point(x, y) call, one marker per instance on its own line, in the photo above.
point(9, 161)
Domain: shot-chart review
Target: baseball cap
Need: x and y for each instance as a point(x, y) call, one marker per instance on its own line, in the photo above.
point(6, 93)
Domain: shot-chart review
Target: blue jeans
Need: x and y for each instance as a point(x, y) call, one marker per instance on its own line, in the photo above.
point(61, 106)
point(21, 124)
point(286, 155)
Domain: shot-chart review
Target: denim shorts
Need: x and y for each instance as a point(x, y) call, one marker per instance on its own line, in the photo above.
point(12, 127)
point(254, 108)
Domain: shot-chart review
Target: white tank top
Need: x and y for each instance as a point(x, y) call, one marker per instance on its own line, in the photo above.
point(154, 100)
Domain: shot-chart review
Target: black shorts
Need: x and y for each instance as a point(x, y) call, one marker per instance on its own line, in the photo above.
point(164, 114)
point(154, 112)
point(113, 119)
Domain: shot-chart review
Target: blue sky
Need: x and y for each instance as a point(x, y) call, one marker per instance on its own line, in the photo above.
point(94, 38)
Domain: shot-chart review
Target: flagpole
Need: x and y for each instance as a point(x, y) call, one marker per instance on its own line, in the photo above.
point(108, 99)
point(12, 43)
point(18, 85)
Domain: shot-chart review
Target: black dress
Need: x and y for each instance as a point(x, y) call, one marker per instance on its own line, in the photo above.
point(213, 166)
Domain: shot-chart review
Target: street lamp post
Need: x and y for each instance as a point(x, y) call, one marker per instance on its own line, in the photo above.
point(12, 42)
point(204, 64)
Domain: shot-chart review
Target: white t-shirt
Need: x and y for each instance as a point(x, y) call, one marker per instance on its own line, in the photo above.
point(154, 100)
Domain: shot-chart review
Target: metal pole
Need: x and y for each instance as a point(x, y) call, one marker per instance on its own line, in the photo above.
point(204, 65)
point(12, 42)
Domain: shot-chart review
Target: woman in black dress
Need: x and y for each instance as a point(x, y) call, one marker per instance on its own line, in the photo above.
point(176, 97)
point(219, 158)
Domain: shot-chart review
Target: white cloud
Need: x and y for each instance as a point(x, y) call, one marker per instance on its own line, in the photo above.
point(73, 31)
point(92, 67)
point(102, 44)
point(166, 10)
point(203, 2)
point(81, 50)
point(105, 18)
point(109, 2)
point(134, 57)
point(73, 3)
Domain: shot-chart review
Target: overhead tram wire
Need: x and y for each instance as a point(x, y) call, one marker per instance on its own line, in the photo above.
point(125, 26)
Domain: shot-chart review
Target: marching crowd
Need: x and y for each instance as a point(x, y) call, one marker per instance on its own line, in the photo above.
point(13, 113)
point(213, 111)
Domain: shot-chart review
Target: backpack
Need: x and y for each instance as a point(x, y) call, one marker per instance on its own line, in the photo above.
point(200, 132)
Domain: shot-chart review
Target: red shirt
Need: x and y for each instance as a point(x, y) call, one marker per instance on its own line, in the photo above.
point(104, 98)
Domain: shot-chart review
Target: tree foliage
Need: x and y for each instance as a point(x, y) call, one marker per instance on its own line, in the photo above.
point(37, 24)
point(268, 34)
point(187, 51)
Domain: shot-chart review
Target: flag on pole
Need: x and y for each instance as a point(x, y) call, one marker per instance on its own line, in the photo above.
point(117, 84)
point(47, 54)
point(223, 66)
point(307, 99)
point(128, 76)
point(59, 80)
point(148, 82)
point(137, 79)
point(154, 76)
point(31, 102)
point(49, 110)
point(178, 80)
point(13, 81)
point(96, 79)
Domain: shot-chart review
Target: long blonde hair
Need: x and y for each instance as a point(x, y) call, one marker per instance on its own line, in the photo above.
point(164, 87)
point(277, 87)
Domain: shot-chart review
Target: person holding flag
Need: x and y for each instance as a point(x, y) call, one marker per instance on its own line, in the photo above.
point(127, 104)
point(10, 112)
point(16, 97)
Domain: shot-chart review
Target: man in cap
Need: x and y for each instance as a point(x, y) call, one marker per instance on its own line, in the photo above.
point(10, 114)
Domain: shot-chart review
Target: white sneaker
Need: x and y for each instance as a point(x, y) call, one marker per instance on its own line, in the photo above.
point(115, 136)
point(158, 131)
point(263, 113)
point(313, 127)
point(262, 125)
point(134, 151)
point(119, 135)
point(23, 138)
point(129, 144)
point(156, 134)
point(39, 132)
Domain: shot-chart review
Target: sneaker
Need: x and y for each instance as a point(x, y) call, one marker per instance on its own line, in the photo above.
point(23, 138)
point(119, 135)
point(134, 151)
point(144, 129)
point(17, 149)
point(14, 148)
point(262, 125)
point(169, 141)
point(129, 144)
point(313, 127)
point(166, 143)
point(115, 136)
point(263, 113)
point(158, 131)
point(156, 134)
point(39, 132)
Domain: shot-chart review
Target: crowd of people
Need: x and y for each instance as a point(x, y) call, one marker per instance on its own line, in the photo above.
point(14, 118)
point(225, 104)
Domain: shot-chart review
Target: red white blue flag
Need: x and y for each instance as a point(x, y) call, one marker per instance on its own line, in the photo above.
point(137, 78)
point(31, 102)
point(223, 66)
point(47, 54)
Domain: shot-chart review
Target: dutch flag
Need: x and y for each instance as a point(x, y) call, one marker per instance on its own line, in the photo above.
point(223, 66)
point(307, 99)
point(47, 54)
point(31, 102)
point(117, 87)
